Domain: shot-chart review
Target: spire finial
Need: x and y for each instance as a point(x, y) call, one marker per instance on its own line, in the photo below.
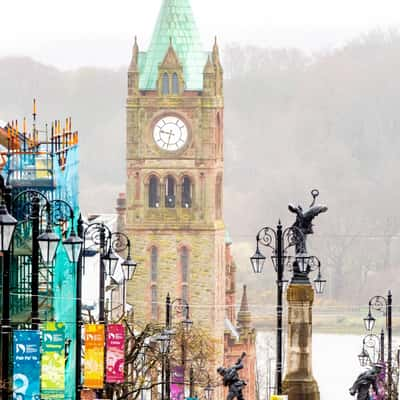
point(244, 315)
point(170, 41)
point(215, 53)
point(208, 68)
point(244, 306)
point(135, 56)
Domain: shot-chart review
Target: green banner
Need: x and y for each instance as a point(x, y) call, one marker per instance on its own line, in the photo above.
point(53, 361)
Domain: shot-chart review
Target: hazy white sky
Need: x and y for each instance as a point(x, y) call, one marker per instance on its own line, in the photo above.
point(88, 32)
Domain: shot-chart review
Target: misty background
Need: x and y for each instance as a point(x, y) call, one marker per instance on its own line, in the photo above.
point(294, 121)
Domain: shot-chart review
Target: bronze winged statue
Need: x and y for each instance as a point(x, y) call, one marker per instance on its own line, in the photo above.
point(303, 224)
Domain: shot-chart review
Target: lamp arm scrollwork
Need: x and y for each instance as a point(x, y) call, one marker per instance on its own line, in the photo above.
point(378, 303)
point(267, 237)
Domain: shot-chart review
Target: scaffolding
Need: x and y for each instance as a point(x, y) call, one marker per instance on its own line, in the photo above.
point(47, 161)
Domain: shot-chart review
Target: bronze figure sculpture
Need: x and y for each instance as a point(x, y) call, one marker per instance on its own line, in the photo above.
point(301, 228)
point(303, 224)
point(364, 382)
point(232, 380)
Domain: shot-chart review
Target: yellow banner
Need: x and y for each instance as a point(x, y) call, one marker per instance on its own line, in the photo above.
point(278, 397)
point(94, 356)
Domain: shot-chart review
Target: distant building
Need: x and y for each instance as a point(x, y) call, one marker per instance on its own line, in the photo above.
point(240, 335)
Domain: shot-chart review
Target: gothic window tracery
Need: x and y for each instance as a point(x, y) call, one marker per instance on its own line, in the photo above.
point(184, 260)
point(154, 196)
point(175, 83)
point(170, 192)
point(154, 276)
point(187, 192)
point(218, 197)
point(165, 83)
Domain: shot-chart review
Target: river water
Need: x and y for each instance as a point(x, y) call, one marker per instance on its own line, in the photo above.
point(335, 363)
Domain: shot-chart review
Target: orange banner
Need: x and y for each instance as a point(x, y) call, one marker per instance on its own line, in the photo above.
point(94, 356)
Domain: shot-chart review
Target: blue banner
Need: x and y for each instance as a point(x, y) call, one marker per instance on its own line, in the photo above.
point(26, 376)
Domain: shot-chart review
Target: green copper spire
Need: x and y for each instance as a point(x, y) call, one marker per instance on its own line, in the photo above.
point(175, 22)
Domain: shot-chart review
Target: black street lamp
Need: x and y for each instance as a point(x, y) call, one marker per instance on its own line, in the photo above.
point(279, 240)
point(48, 244)
point(181, 307)
point(208, 392)
point(128, 270)
point(7, 227)
point(30, 202)
point(384, 305)
point(364, 358)
point(109, 243)
point(376, 345)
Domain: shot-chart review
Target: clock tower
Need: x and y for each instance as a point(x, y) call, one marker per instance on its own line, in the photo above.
point(174, 200)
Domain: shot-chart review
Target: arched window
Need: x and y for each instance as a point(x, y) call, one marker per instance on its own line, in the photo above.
point(165, 84)
point(186, 192)
point(154, 264)
point(154, 305)
point(185, 272)
point(170, 188)
point(175, 83)
point(218, 197)
point(154, 274)
point(154, 197)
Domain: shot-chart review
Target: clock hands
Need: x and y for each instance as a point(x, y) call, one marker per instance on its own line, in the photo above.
point(170, 133)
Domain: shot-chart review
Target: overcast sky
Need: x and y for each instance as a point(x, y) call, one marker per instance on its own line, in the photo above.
point(73, 33)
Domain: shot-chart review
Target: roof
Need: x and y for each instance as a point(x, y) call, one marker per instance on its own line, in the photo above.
point(175, 23)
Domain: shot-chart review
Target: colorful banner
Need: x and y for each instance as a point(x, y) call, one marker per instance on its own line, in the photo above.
point(53, 361)
point(115, 353)
point(26, 362)
point(94, 356)
point(177, 383)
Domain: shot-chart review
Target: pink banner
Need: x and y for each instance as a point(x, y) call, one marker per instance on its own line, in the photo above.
point(115, 354)
point(177, 384)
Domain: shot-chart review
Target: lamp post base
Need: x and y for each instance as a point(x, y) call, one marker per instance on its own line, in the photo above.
point(300, 389)
point(299, 383)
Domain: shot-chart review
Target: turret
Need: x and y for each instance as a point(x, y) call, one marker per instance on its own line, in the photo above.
point(209, 78)
point(133, 72)
point(244, 315)
point(219, 72)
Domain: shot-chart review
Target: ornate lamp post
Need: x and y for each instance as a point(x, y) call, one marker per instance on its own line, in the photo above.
point(280, 240)
point(164, 341)
point(7, 227)
point(383, 305)
point(108, 243)
point(181, 307)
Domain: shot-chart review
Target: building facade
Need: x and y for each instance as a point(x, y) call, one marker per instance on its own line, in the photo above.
point(173, 206)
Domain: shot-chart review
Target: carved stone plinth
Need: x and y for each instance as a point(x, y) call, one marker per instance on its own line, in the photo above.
point(299, 383)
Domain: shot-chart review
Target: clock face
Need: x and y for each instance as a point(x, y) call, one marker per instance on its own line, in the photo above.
point(170, 133)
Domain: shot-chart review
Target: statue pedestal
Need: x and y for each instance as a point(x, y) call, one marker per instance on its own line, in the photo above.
point(299, 383)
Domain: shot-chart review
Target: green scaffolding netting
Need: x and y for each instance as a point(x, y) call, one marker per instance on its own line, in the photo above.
point(58, 179)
